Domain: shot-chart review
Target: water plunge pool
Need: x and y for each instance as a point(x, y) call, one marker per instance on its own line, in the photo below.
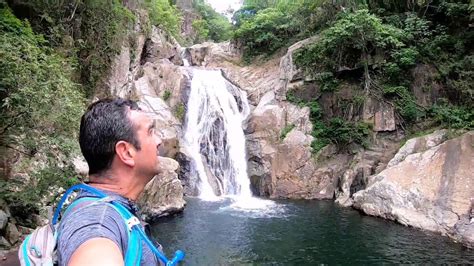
point(298, 232)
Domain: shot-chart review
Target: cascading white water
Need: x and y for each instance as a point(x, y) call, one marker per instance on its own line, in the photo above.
point(214, 137)
point(184, 56)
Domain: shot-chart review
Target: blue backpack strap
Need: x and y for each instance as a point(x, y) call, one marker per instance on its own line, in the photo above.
point(134, 229)
point(134, 253)
point(138, 234)
point(68, 192)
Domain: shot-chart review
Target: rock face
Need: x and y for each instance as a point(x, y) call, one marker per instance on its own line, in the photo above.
point(282, 166)
point(255, 79)
point(164, 194)
point(429, 184)
point(151, 73)
point(9, 234)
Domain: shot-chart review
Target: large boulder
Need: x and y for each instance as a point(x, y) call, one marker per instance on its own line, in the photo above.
point(164, 80)
point(380, 114)
point(294, 172)
point(290, 74)
point(363, 165)
point(4, 244)
point(280, 163)
point(164, 194)
point(427, 185)
point(12, 233)
point(128, 66)
point(161, 45)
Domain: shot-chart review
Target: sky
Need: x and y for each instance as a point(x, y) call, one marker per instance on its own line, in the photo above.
point(222, 6)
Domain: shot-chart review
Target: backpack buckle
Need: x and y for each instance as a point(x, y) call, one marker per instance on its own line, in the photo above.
point(131, 222)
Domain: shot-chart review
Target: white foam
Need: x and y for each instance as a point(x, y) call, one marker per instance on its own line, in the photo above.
point(252, 207)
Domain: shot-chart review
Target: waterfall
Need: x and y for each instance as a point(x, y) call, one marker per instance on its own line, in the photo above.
point(185, 55)
point(214, 138)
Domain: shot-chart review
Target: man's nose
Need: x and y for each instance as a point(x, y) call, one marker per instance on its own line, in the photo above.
point(158, 139)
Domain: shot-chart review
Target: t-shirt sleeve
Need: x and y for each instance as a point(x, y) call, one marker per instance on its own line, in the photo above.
point(95, 221)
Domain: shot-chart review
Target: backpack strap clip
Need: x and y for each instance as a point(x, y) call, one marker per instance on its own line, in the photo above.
point(132, 221)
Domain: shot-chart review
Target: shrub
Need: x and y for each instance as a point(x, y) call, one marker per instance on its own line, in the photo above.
point(180, 111)
point(286, 130)
point(47, 105)
point(349, 43)
point(213, 26)
point(29, 198)
point(41, 108)
point(166, 95)
point(451, 116)
point(264, 33)
point(405, 103)
point(165, 16)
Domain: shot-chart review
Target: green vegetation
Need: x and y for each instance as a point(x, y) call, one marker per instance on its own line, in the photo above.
point(376, 43)
point(88, 32)
point(44, 188)
point(53, 56)
point(164, 15)
point(166, 95)
point(212, 25)
point(286, 130)
point(180, 111)
point(41, 108)
point(34, 109)
point(335, 130)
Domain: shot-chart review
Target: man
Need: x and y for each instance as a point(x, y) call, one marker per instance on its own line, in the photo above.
point(119, 143)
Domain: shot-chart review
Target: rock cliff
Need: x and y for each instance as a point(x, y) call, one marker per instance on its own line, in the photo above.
point(150, 71)
point(429, 184)
point(425, 184)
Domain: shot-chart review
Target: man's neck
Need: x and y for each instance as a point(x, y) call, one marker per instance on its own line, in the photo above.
point(123, 186)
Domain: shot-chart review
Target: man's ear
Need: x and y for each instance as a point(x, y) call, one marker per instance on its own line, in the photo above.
point(125, 152)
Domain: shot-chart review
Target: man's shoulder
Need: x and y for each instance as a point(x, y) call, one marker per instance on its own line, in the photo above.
point(95, 220)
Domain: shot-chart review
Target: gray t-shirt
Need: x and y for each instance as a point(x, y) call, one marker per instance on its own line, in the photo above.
point(97, 220)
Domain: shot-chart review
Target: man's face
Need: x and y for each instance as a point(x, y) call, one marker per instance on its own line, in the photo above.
point(146, 159)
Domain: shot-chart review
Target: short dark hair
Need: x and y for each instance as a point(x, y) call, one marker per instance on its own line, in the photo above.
point(104, 124)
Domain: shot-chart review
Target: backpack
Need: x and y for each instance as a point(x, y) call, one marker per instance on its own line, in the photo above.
point(39, 248)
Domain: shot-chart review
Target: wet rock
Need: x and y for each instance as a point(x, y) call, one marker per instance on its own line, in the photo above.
point(164, 194)
point(464, 231)
point(255, 79)
point(429, 189)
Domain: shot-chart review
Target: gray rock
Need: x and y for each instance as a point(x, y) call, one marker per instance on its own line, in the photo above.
point(12, 233)
point(4, 243)
point(431, 189)
point(164, 194)
point(380, 114)
point(419, 144)
point(3, 219)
